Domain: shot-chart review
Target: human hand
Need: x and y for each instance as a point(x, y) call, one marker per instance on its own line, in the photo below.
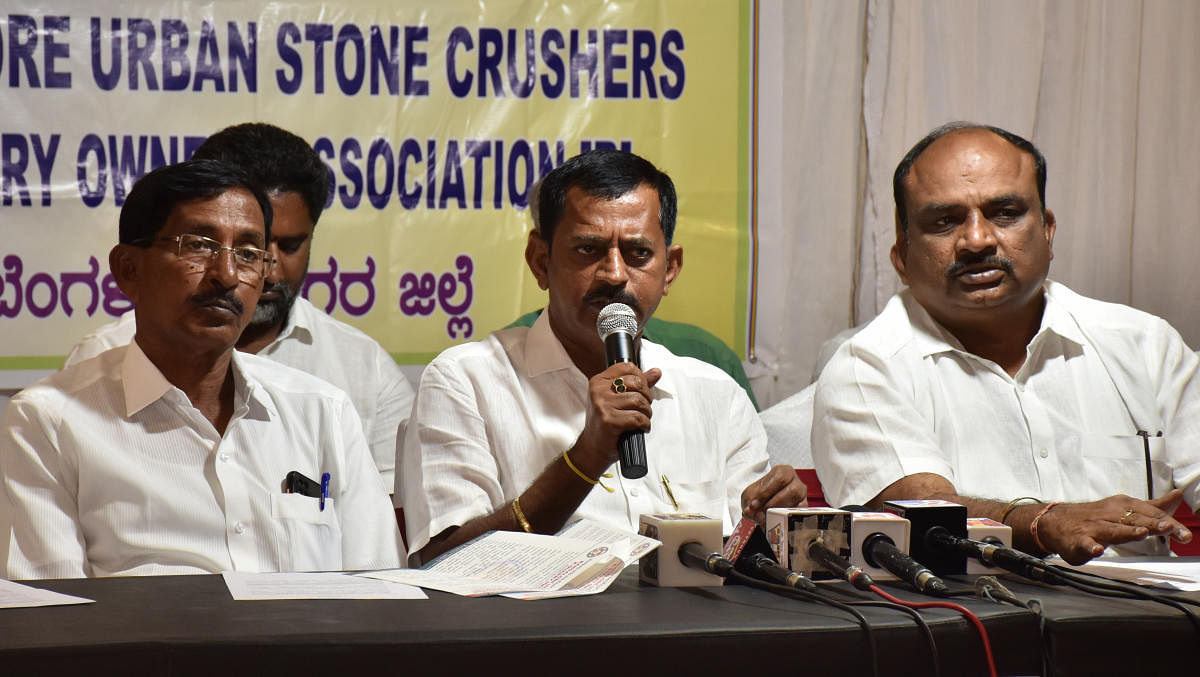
point(619, 401)
point(779, 488)
point(1080, 531)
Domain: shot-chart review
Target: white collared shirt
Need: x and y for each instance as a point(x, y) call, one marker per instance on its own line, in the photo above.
point(902, 397)
point(327, 348)
point(491, 415)
point(108, 469)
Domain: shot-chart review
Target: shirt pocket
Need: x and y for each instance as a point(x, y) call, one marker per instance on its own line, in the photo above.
point(313, 537)
point(1115, 463)
point(706, 497)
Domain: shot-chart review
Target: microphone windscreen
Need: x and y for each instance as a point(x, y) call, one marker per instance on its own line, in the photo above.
point(616, 317)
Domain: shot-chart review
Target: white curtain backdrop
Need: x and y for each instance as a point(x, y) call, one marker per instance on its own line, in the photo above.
point(1108, 90)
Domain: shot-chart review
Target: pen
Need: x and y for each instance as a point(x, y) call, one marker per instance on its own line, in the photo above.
point(670, 494)
point(324, 489)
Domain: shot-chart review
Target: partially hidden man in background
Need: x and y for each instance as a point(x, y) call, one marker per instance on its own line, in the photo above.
point(520, 430)
point(168, 455)
point(1076, 422)
point(286, 328)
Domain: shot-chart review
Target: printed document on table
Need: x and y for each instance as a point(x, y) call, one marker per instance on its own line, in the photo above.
point(17, 596)
point(1179, 573)
point(321, 585)
point(582, 560)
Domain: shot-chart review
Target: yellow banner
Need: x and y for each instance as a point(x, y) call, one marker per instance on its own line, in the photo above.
point(435, 118)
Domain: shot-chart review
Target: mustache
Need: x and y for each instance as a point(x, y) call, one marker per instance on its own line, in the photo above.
point(995, 260)
point(614, 295)
point(218, 298)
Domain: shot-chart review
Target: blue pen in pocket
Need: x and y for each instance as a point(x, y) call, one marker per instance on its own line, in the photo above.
point(324, 489)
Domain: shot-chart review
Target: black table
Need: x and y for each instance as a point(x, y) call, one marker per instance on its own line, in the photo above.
point(184, 625)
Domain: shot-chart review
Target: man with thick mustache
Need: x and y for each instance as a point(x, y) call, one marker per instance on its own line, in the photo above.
point(172, 454)
point(1074, 421)
point(520, 431)
point(287, 328)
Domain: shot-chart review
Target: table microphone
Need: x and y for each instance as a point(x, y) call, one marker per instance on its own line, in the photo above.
point(925, 514)
point(994, 555)
point(751, 554)
point(617, 326)
point(879, 550)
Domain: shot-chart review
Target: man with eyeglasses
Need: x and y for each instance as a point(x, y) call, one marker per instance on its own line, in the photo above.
point(285, 327)
point(177, 454)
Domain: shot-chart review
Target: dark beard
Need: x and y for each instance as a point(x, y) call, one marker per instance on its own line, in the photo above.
point(274, 312)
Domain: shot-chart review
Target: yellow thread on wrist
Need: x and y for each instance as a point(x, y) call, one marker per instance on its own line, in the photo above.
point(516, 508)
point(584, 477)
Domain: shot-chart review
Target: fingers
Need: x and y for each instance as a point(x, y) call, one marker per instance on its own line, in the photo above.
point(1153, 517)
point(779, 488)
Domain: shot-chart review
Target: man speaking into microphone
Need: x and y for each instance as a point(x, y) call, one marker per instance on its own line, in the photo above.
point(522, 430)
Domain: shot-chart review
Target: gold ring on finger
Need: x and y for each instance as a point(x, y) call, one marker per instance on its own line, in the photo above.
point(1128, 513)
point(618, 385)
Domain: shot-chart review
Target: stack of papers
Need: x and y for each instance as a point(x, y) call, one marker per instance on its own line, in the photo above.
point(581, 560)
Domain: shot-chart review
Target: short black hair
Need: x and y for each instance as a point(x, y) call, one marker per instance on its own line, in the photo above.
point(607, 174)
point(274, 158)
point(152, 198)
point(1023, 144)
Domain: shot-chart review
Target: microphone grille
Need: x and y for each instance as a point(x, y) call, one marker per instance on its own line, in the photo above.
point(616, 317)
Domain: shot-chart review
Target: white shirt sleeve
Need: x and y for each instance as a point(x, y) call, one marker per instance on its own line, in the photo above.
point(370, 536)
point(866, 432)
point(449, 474)
point(37, 511)
point(393, 407)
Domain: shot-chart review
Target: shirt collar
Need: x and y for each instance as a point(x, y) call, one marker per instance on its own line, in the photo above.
point(299, 322)
point(932, 338)
point(545, 353)
point(144, 385)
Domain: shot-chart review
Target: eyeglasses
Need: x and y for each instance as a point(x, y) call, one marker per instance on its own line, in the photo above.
point(200, 252)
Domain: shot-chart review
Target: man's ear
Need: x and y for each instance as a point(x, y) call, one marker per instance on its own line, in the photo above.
point(674, 265)
point(537, 256)
point(899, 252)
point(1051, 226)
point(125, 263)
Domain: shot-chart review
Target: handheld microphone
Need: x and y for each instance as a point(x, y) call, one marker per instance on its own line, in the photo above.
point(617, 326)
point(881, 551)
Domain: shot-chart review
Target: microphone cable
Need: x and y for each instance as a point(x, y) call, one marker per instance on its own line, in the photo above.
point(971, 617)
point(805, 595)
point(1107, 587)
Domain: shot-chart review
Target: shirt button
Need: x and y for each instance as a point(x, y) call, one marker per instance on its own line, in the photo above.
point(224, 457)
point(239, 528)
point(1043, 453)
point(633, 492)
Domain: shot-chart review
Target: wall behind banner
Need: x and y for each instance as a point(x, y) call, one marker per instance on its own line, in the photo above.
point(435, 124)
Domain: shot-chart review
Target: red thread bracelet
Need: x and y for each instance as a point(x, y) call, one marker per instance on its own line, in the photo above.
point(1034, 525)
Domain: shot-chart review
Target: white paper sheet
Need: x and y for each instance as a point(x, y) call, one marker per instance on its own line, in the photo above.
point(16, 596)
point(322, 585)
point(1181, 573)
point(582, 560)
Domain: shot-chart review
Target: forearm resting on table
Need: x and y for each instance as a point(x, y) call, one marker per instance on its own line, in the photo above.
point(546, 505)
